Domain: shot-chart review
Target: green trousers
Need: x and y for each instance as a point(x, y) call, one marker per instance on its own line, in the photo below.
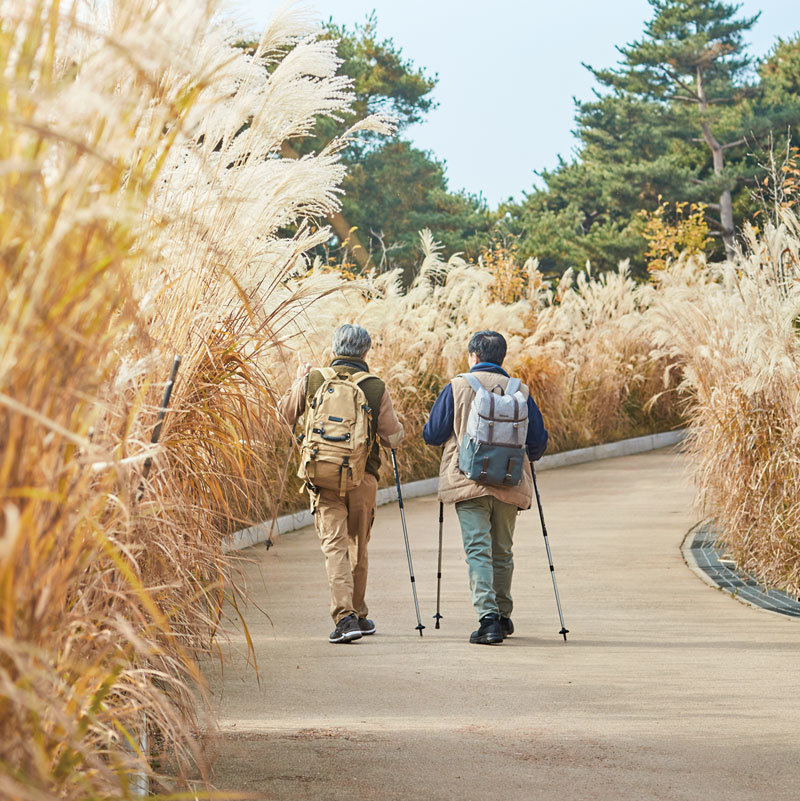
point(487, 529)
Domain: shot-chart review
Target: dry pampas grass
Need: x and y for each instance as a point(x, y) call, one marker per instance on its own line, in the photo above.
point(581, 345)
point(733, 327)
point(144, 204)
point(145, 210)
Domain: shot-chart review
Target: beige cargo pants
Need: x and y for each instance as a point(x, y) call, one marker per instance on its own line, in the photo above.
point(344, 525)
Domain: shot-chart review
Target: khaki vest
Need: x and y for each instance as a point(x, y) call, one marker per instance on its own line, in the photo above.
point(454, 486)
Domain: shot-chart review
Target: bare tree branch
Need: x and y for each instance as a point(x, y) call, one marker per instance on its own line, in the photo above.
point(685, 86)
point(734, 144)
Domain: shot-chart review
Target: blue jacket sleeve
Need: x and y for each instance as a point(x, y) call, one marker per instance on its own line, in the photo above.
point(440, 421)
point(537, 433)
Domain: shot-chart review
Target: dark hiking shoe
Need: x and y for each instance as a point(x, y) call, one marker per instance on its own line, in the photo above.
point(489, 632)
point(366, 625)
point(507, 626)
point(347, 630)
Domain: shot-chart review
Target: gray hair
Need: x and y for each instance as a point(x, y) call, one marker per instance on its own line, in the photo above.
point(351, 340)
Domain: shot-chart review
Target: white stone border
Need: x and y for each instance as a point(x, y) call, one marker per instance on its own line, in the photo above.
point(428, 486)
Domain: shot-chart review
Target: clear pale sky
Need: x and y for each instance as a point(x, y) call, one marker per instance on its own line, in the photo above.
point(508, 70)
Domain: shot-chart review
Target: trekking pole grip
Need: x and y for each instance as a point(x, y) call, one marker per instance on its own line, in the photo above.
point(396, 477)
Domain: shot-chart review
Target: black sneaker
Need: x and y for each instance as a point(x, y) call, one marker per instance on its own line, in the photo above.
point(507, 626)
point(489, 632)
point(366, 625)
point(347, 630)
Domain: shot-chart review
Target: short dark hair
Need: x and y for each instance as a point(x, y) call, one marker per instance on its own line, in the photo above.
point(489, 346)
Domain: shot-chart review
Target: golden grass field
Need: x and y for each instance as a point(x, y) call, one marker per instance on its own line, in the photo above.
point(145, 207)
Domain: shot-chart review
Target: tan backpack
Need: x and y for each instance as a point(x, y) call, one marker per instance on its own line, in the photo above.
point(338, 437)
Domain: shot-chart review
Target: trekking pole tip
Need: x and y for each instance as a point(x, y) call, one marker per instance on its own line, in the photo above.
point(419, 629)
point(437, 617)
point(564, 633)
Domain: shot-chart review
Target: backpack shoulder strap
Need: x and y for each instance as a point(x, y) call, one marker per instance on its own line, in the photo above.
point(472, 381)
point(513, 386)
point(361, 376)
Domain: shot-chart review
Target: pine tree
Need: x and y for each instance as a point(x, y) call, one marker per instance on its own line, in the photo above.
point(683, 117)
point(692, 62)
point(780, 72)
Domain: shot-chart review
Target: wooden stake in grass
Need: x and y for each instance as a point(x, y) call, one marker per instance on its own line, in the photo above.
point(162, 413)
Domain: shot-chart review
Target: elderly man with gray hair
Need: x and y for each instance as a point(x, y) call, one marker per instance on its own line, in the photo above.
point(344, 502)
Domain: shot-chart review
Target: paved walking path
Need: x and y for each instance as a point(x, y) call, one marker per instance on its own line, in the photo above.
point(667, 688)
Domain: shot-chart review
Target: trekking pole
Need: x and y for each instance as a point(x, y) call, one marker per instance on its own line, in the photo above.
point(437, 617)
point(419, 625)
point(564, 631)
point(162, 413)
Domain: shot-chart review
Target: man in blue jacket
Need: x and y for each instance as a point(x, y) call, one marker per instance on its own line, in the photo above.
point(487, 513)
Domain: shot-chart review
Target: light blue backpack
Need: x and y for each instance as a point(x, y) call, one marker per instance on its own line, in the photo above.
point(492, 450)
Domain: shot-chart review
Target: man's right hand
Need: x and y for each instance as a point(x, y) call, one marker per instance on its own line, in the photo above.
point(303, 369)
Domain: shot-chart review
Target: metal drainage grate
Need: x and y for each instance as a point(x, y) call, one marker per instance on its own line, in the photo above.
point(723, 573)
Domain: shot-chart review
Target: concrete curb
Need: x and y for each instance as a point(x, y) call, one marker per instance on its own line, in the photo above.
point(691, 561)
point(429, 486)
